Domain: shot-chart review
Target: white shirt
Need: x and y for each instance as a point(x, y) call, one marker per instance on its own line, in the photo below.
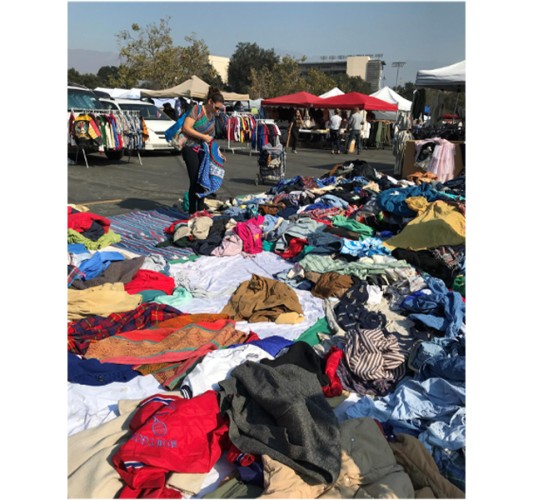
point(335, 122)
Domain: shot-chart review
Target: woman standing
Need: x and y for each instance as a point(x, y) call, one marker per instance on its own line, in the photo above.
point(199, 127)
point(297, 122)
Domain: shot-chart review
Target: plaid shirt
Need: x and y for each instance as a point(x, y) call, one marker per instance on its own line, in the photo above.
point(82, 332)
point(74, 273)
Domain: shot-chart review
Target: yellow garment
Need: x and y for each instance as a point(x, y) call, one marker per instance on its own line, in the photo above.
point(102, 300)
point(200, 227)
point(417, 204)
point(290, 318)
point(79, 208)
point(438, 225)
point(374, 186)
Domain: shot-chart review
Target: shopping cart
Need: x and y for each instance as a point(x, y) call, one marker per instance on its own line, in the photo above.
point(272, 163)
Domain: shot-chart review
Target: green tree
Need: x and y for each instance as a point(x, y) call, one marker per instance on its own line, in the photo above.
point(284, 78)
point(126, 77)
point(452, 102)
point(246, 57)
point(149, 54)
point(74, 76)
point(107, 74)
point(194, 60)
point(261, 83)
point(406, 91)
point(87, 79)
point(287, 77)
point(352, 84)
point(318, 82)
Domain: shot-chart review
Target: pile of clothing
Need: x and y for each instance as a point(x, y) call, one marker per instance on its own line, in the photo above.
point(312, 344)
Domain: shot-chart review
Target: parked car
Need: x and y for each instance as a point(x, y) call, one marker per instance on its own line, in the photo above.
point(157, 122)
point(81, 98)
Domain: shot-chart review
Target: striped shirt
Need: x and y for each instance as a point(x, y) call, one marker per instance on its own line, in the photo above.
point(202, 123)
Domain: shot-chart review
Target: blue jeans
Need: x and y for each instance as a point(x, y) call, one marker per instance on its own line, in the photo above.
point(335, 144)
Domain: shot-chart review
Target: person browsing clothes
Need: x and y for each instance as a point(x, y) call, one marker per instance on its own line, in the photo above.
point(199, 127)
point(334, 131)
point(170, 111)
point(355, 126)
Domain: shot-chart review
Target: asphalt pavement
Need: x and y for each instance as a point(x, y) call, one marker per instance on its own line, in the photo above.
point(150, 180)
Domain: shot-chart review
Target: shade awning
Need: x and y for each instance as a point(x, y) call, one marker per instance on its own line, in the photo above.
point(301, 99)
point(193, 88)
point(362, 101)
point(451, 77)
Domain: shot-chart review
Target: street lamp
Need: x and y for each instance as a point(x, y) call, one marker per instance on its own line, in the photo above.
point(398, 65)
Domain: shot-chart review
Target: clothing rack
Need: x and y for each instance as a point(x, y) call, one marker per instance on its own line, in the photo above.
point(129, 114)
point(231, 147)
point(260, 122)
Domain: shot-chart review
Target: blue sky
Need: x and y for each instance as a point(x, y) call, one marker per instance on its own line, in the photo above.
point(424, 35)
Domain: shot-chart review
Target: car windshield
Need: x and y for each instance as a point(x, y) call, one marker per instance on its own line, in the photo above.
point(109, 105)
point(82, 99)
point(148, 111)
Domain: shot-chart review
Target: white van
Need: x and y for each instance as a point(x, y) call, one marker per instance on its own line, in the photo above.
point(156, 121)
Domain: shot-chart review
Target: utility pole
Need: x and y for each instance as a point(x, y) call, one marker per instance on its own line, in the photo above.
point(398, 65)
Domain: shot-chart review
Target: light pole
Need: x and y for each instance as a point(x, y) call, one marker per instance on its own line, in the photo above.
point(398, 65)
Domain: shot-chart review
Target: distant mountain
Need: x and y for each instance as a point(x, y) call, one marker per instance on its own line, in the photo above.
point(90, 61)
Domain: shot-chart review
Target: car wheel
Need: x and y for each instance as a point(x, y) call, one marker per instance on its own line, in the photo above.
point(114, 154)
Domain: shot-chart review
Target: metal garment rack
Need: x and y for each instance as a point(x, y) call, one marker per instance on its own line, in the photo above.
point(260, 121)
point(231, 148)
point(100, 112)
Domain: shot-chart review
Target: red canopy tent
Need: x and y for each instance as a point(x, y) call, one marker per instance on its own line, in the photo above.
point(300, 99)
point(363, 101)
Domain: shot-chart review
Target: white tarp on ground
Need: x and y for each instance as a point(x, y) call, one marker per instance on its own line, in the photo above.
point(451, 77)
point(330, 93)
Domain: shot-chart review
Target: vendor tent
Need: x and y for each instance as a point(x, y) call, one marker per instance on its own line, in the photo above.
point(363, 101)
point(299, 99)
point(387, 94)
point(330, 93)
point(194, 88)
point(451, 77)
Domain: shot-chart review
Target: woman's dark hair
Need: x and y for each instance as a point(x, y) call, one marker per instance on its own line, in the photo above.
point(215, 95)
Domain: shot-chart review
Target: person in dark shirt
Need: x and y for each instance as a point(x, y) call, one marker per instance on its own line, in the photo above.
point(297, 122)
point(170, 111)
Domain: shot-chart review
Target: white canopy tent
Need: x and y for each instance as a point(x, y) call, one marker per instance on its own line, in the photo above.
point(451, 77)
point(389, 95)
point(330, 93)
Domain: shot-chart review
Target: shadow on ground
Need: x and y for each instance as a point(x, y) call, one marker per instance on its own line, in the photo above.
point(241, 180)
point(143, 204)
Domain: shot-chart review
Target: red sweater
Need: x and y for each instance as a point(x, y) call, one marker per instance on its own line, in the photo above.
point(170, 434)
